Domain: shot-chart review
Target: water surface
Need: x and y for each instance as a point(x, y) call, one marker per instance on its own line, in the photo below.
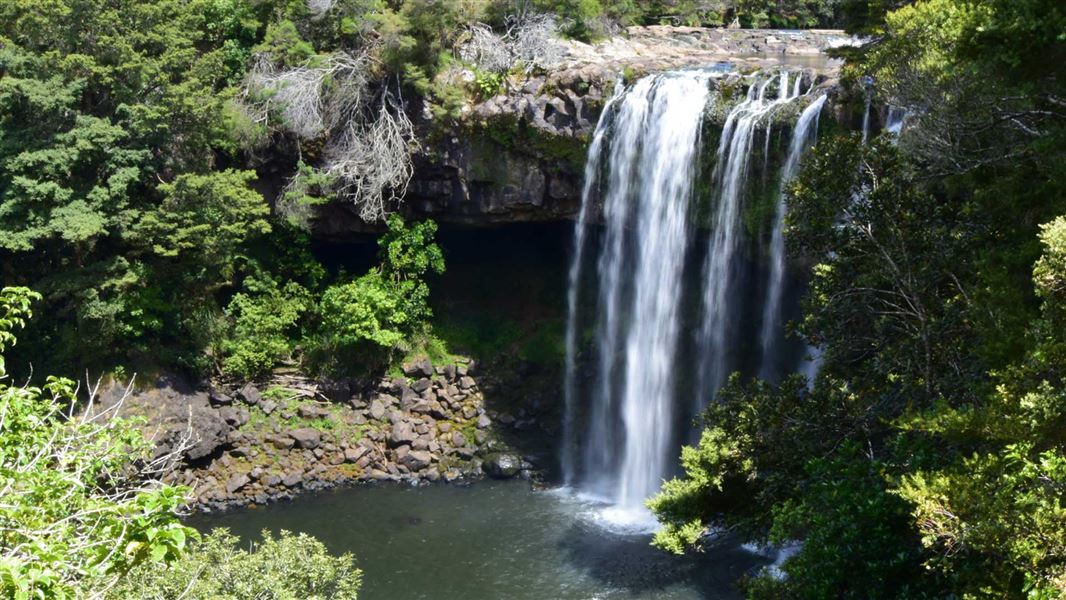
point(490, 541)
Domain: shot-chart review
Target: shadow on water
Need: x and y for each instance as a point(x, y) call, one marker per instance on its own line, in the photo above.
point(631, 563)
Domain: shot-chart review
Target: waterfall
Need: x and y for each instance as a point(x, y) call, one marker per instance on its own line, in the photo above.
point(641, 178)
point(592, 175)
point(894, 120)
point(806, 128)
point(734, 152)
point(866, 117)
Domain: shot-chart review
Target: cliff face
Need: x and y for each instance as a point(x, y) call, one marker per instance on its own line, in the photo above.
point(519, 156)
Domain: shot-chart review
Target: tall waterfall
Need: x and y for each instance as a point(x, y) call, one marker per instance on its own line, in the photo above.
point(641, 182)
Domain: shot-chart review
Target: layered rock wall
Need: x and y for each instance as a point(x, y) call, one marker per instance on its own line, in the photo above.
point(519, 156)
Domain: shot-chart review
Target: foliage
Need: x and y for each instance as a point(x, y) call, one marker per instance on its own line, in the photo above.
point(927, 458)
point(265, 321)
point(365, 310)
point(390, 304)
point(287, 567)
point(82, 502)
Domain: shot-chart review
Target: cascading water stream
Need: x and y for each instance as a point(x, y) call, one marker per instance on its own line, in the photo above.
point(731, 172)
point(640, 182)
point(592, 176)
point(802, 137)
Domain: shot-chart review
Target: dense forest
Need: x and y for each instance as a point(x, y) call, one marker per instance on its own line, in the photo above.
point(159, 161)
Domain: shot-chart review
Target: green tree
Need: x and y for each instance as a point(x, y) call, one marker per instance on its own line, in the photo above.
point(288, 567)
point(388, 307)
point(81, 504)
point(266, 321)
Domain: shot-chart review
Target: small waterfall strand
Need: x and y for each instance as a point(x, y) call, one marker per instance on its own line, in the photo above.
point(593, 166)
point(731, 171)
point(803, 135)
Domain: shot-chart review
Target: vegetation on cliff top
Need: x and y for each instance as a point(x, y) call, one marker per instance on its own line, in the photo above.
point(139, 136)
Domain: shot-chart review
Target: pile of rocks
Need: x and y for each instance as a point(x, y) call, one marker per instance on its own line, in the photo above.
point(253, 446)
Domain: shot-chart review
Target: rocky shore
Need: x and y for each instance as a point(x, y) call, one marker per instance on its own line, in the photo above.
point(262, 443)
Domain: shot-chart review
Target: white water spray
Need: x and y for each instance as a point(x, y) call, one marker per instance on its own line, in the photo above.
point(640, 183)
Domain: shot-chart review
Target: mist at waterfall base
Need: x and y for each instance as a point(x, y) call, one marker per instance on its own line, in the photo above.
point(669, 289)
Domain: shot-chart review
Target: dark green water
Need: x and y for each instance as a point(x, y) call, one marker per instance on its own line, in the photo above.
point(490, 541)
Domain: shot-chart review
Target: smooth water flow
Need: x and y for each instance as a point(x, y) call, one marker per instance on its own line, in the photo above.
point(643, 170)
point(592, 175)
point(772, 333)
point(731, 175)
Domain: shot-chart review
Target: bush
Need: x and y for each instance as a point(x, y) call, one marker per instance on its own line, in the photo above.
point(388, 307)
point(81, 500)
point(289, 567)
point(264, 321)
point(365, 310)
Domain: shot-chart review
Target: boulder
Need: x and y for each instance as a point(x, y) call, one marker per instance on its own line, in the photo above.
point(422, 385)
point(174, 411)
point(416, 460)
point(281, 442)
point(237, 482)
point(218, 398)
point(483, 421)
point(377, 410)
point(233, 416)
point(250, 394)
point(268, 406)
point(337, 391)
point(354, 454)
point(308, 438)
point(458, 439)
point(402, 433)
point(502, 465)
point(313, 411)
point(418, 368)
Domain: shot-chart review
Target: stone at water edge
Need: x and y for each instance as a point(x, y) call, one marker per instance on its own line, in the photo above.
point(502, 465)
point(416, 460)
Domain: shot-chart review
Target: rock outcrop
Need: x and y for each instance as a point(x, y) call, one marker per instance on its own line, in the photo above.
point(260, 444)
point(519, 156)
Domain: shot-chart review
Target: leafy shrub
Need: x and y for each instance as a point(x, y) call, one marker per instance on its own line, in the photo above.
point(288, 567)
point(365, 310)
point(81, 502)
point(264, 321)
point(389, 306)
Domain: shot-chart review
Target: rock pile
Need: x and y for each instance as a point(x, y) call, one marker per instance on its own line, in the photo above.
point(260, 445)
